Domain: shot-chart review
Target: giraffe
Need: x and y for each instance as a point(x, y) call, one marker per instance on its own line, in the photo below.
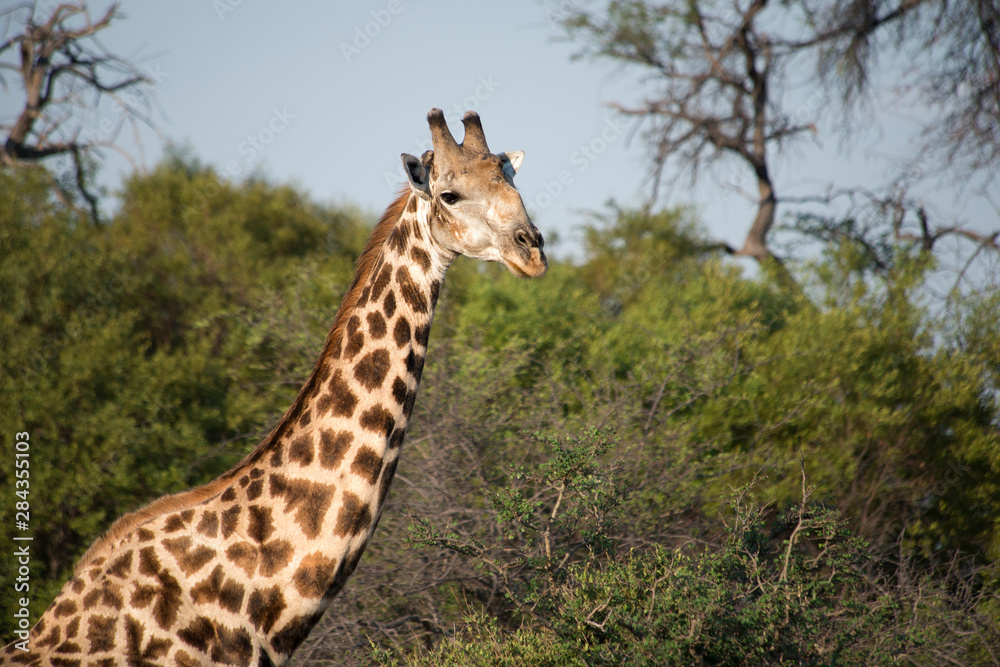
point(238, 571)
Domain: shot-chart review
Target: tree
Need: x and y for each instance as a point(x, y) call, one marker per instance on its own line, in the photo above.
point(799, 589)
point(62, 67)
point(724, 76)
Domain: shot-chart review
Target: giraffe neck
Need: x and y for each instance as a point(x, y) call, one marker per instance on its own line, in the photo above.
point(354, 411)
point(238, 571)
point(320, 481)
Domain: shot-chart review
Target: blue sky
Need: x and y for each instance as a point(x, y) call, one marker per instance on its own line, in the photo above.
point(327, 95)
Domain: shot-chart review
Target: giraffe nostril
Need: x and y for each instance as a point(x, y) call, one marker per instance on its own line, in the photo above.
point(522, 239)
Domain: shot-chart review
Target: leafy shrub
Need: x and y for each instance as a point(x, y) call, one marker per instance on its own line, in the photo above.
point(799, 588)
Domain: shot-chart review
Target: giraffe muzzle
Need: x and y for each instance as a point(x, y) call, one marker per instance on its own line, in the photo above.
point(526, 259)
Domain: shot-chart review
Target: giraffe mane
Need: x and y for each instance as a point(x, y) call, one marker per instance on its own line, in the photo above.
point(185, 499)
point(126, 523)
point(362, 271)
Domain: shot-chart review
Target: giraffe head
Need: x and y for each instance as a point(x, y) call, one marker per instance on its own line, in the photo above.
point(475, 210)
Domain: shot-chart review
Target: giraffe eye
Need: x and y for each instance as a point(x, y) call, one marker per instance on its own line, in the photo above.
point(449, 198)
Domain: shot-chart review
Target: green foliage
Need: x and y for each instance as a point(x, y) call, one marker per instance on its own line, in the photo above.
point(801, 589)
point(548, 515)
point(706, 377)
point(148, 354)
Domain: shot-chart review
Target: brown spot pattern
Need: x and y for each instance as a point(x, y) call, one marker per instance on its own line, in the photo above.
point(143, 596)
point(400, 238)
point(264, 608)
point(363, 299)
point(396, 439)
point(198, 633)
point(68, 647)
point(376, 324)
point(312, 579)
point(421, 334)
point(409, 291)
point(372, 369)
point(167, 593)
point(58, 661)
point(367, 464)
point(399, 390)
point(421, 257)
point(345, 569)
point(209, 588)
point(301, 450)
point(73, 628)
point(209, 524)
point(332, 447)
point(230, 518)
point(355, 339)
point(64, 608)
point(381, 282)
point(231, 596)
point(135, 654)
point(173, 524)
point(378, 420)
point(310, 500)
point(101, 633)
point(255, 489)
point(355, 516)
point(244, 556)
point(339, 399)
point(389, 304)
point(52, 639)
point(121, 567)
point(276, 453)
point(435, 291)
point(108, 594)
point(411, 398)
point(260, 525)
point(401, 332)
point(190, 559)
point(184, 660)
point(217, 588)
point(386, 482)
point(414, 364)
point(289, 637)
point(275, 556)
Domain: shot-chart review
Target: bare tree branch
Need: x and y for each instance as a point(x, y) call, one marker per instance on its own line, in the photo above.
point(62, 68)
point(720, 73)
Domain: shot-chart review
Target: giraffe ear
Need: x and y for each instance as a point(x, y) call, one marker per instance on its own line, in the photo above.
point(513, 159)
point(418, 175)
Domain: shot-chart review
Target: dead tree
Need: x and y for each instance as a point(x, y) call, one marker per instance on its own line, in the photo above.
point(719, 78)
point(56, 60)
